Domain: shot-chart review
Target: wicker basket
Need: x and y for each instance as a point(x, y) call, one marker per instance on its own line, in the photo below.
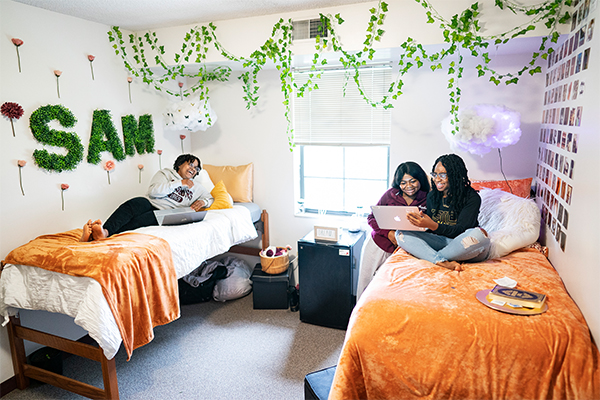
point(274, 265)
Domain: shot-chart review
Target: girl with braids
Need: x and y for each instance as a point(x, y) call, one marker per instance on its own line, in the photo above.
point(409, 188)
point(453, 230)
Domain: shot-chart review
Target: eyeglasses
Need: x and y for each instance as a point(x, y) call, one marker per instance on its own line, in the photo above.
point(442, 176)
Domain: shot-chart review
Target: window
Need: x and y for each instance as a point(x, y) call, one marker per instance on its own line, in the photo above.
point(342, 142)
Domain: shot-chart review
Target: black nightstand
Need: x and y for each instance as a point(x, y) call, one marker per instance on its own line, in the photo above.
point(328, 275)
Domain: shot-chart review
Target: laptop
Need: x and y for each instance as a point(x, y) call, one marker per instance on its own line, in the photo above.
point(178, 216)
point(394, 217)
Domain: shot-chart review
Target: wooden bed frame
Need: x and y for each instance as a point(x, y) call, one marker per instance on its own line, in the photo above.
point(25, 371)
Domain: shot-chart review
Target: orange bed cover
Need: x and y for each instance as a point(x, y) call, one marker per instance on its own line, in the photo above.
point(418, 332)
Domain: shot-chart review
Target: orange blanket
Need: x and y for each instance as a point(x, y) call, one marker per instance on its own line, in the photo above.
point(418, 331)
point(135, 271)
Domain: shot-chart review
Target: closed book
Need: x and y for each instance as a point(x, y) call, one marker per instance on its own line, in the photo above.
point(517, 297)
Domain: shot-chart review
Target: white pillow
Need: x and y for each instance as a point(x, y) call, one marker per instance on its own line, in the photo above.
point(205, 180)
point(512, 222)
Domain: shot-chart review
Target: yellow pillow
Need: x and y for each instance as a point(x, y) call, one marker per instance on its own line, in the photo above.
point(222, 198)
point(238, 180)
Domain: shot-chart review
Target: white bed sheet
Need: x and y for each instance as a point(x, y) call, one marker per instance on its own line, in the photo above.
point(32, 288)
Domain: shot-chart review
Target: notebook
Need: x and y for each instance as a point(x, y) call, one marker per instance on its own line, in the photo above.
point(394, 217)
point(178, 216)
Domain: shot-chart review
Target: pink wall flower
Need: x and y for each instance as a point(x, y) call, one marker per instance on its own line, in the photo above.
point(63, 187)
point(141, 167)
point(17, 43)
point(91, 58)
point(21, 164)
point(182, 137)
point(159, 159)
point(57, 73)
point(129, 80)
point(109, 166)
point(11, 111)
point(180, 89)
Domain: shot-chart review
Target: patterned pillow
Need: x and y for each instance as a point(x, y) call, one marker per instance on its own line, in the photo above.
point(520, 187)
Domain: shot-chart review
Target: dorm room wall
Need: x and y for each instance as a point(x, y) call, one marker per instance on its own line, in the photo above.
point(57, 42)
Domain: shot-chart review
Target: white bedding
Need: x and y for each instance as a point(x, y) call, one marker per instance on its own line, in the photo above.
point(33, 288)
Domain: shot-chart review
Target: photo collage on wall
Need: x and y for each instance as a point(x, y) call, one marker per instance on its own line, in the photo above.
point(561, 121)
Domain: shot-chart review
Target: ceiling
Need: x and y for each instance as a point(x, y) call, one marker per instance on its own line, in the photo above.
point(137, 15)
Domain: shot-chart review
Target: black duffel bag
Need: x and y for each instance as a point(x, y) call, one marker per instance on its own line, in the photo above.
point(189, 294)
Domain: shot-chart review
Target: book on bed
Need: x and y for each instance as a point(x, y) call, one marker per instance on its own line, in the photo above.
point(517, 297)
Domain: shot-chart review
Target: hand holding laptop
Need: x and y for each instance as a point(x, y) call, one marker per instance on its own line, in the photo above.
point(421, 220)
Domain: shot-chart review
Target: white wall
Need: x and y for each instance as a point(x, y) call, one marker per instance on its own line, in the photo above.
point(54, 41)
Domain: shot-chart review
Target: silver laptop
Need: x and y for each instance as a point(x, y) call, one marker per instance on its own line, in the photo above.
point(394, 217)
point(178, 216)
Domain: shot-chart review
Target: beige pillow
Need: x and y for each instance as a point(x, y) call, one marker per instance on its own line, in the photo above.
point(239, 180)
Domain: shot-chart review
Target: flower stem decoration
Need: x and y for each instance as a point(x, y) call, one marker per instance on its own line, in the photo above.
point(129, 80)
point(12, 111)
point(63, 187)
point(180, 89)
point(182, 137)
point(109, 166)
point(91, 58)
point(57, 73)
point(140, 168)
point(159, 159)
point(18, 43)
point(21, 164)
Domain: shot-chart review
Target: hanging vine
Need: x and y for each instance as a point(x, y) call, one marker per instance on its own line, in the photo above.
point(462, 35)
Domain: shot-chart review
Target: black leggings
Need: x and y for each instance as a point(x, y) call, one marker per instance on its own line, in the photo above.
point(134, 213)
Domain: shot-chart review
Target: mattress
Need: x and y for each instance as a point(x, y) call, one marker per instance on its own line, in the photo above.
point(32, 288)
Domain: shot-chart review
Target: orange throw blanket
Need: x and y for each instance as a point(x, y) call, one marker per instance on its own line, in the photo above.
point(419, 332)
point(135, 271)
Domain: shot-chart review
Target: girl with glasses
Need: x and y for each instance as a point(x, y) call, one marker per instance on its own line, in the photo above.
point(409, 188)
point(453, 233)
point(170, 188)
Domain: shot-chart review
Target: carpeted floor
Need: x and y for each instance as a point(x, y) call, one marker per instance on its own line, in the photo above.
point(214, 351)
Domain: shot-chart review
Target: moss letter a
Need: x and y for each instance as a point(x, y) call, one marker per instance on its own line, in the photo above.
point(102, 125)
point(136, 136)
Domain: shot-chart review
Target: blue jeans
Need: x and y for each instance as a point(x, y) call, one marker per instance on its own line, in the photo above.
point(471, 245)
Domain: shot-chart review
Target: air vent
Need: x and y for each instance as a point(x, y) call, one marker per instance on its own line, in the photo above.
point(307, 29)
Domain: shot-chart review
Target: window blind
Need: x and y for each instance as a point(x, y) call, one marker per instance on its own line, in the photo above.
point(328, 116)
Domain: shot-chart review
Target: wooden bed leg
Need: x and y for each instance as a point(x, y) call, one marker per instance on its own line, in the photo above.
point(109, 374)
point(265, 236)
point(17, 350)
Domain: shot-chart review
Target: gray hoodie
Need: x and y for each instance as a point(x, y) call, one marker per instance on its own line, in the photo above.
point(166, 191)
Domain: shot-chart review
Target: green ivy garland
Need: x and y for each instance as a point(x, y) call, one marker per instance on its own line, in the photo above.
point(38, 123)
point(136, 136)
point(102, 125)
point(461, 35)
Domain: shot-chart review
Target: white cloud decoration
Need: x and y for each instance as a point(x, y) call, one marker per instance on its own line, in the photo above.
point(482, 128)
point(192, 115)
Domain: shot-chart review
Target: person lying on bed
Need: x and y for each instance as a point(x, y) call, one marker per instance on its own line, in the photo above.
point(453, 230)
point(169, 188)
point(409, 188)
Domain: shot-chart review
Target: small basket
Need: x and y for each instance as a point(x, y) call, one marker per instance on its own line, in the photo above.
point(274, 265)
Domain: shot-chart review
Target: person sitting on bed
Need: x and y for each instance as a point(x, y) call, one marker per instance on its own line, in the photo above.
point(453, 230)
point(409, 188)
point(169, 188)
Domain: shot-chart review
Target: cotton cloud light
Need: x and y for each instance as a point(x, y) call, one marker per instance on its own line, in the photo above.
point(192, 115)
point(482, 128)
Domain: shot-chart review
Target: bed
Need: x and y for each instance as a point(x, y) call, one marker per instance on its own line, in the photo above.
point(173, 250)
point(419, 331)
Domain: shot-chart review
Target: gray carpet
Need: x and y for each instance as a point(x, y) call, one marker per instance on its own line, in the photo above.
point(214, 351)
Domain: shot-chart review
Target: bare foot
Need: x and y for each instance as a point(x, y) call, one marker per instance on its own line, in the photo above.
point(98, 232)
point(451, 265)
point(87, 232)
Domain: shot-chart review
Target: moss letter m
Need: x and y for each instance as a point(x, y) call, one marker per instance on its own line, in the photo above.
point(136, 136)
